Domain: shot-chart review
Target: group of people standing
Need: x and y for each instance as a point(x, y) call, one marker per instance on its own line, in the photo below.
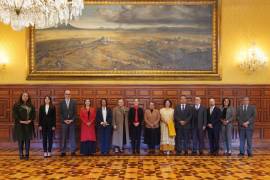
point(169, 129)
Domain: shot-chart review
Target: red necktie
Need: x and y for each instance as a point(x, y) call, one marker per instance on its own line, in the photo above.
point(136, 115)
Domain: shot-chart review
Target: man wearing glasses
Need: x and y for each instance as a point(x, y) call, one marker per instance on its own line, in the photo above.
point(68, 112)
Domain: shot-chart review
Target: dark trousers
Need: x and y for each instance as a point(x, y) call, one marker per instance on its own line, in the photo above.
point(47, 137)
point(24, 144)
point(197, 140)
point(68, 128)
point(104, 136)
point(135, 134)
point(245, 136)
point(213, 136)
point(182, 139)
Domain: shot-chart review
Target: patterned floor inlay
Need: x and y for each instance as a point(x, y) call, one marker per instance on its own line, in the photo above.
point(134, 167)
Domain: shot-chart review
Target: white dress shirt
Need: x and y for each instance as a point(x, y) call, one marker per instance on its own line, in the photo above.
point(245, 107)
point(183, 106)
point(47, 108)
point(104, 113)
point(67, 102)
point(211, 109)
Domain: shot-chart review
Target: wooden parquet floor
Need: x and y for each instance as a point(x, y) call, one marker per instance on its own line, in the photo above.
point(134, 167)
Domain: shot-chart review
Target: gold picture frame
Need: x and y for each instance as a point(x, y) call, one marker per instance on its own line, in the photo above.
point(123, 75)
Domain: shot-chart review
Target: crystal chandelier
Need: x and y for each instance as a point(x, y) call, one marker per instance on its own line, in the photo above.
point(253, 60)
point(39, 13)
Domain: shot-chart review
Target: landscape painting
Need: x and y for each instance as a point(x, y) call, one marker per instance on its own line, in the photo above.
point(125, 39)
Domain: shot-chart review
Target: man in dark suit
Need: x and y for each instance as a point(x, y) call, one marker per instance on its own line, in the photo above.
point(246, 115)
point(213, 127)
point(182, 119)
point(199, 122)
point(135, 118)
point(104, 126)
point(68, 110)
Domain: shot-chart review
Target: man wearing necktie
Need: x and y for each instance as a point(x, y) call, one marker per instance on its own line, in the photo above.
point(182, 119)
point(135, 118)
point(68, 110)
point(246, 115)
point(213, 127)
point(199, 121)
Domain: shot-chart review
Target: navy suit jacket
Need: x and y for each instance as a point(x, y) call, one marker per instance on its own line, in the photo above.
point(185, 115)
point(214, 118)
point(99, 117)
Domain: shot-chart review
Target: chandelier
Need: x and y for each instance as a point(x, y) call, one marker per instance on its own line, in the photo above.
point(39, 13)
point(253, 60)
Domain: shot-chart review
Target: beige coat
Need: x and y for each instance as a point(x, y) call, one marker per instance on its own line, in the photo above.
point(152, 119)
point(117, 122)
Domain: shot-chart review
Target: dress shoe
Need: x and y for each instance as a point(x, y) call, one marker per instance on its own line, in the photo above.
point(45, 155)
point(63, 154)
point(21, 157)
point(73, 154)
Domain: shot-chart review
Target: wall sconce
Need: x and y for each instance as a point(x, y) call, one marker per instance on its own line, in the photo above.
point(253, 60)
point(3, 61)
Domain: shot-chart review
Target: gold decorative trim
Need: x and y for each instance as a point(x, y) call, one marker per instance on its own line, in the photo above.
point(155, 75)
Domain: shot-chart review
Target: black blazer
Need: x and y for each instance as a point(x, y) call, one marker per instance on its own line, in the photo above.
point(214, 118)
point(185, 115)
point(47, 120)
point(202, 117)
point(99, 117)
point(131, 116)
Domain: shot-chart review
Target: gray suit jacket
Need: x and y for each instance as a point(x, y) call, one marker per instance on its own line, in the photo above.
point(229, 114)
point(68, 113)
point(202, 117)
point(249, 116)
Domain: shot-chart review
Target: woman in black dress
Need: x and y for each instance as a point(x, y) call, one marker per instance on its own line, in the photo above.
point(47, 124)
point(24, 115)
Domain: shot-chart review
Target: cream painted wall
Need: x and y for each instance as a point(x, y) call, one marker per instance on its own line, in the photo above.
point(242, 22)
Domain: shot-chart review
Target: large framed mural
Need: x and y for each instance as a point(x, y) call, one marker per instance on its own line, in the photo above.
point(136, 40)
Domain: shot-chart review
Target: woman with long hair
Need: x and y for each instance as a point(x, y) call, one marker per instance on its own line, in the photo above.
point(226, 119)
point(47, 124)
point(24, 115)
point(88, 133)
